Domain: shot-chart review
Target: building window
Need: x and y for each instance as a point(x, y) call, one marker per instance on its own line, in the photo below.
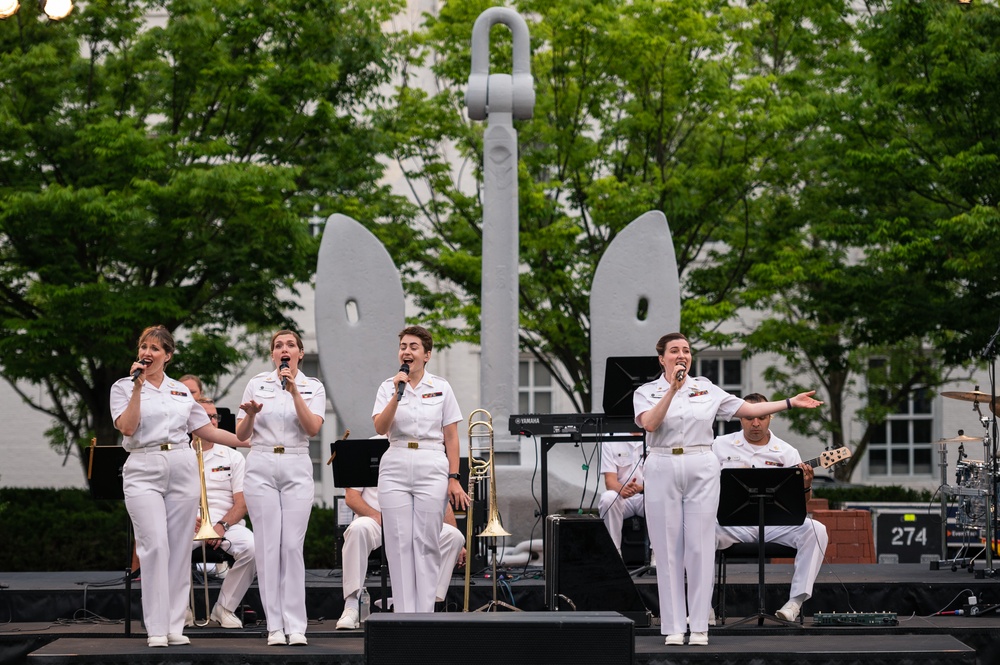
point(534, 387)
point(901, 445)
point(727, 373)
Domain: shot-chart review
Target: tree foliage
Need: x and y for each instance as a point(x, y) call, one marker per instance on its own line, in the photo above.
point(678, 125)
point(827, 170)
point(159, 163)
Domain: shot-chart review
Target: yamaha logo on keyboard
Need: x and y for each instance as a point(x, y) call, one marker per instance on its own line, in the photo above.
point(527, 421)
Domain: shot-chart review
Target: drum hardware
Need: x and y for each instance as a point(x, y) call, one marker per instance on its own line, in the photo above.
point(975, 487)
point(961, 438)
point(977, 397)
point(972, 396)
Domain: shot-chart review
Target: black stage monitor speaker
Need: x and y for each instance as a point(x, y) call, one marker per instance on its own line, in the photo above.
point(584, 572)
point(500, 638)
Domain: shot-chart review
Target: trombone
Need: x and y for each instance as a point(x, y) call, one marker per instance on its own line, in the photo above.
point(205, 532)
point(483, 470)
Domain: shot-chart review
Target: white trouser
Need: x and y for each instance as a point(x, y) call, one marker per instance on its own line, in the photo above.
point(413, 491)
point(682, 497)
point(279, 493)
point(615, 510)
point(161, 495)
point(809, 538)
point(364, 534)
point(240, 575)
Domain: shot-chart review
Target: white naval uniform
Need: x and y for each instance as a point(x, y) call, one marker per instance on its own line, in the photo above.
point(364, 534)
point(413, 487)
point(809, 538)
point(225, 469)
point(279, 493)
point(682, 496)
point(624, 459)
point(162, 495)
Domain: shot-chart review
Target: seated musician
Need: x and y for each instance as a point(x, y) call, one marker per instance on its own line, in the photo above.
point(224, 472)
point(364, 535)
point(621, 465)
point(756, 447)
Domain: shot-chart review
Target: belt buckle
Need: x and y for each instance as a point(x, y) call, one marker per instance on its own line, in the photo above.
point(677, 451)
point(412, 445)
point(280, 450)
point(164, 446)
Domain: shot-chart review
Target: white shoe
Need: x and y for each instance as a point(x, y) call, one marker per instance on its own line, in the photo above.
point(676, 640)
point(276, 638)
point(349, 620)
point(297, 639)
point(220, 571)
point(225, 618)
point(156, 641)
point(789, 611)
point(189, 618)
point(176, 639)
point(698, 639)
point(711, 616)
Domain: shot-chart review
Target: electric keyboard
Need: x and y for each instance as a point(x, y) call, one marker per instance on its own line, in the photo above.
point(571, 423)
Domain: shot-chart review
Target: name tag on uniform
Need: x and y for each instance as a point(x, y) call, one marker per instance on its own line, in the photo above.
point(266, 389)
point(427, 395)
point(303, 392)
point(178, 392)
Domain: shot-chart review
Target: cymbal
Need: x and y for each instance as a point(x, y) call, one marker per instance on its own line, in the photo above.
point(961, 438)
point(972, 396)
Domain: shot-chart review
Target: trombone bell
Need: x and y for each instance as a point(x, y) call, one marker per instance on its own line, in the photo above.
point(207, 529)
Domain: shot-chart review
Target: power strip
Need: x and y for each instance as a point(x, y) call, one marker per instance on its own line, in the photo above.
point(855, 619)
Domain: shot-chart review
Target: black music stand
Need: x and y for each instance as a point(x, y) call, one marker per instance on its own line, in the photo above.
point(762, 497)
point(104, 472)
point(355, 464)
point(622, 376)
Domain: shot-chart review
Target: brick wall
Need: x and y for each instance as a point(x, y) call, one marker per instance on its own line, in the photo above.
point(850, 531)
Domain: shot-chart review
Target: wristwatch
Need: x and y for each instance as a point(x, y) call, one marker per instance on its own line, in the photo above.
point(456, 476)
point(225, 525)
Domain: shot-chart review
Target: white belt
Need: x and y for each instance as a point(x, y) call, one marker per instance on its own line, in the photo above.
point(282, 450)
point(417, 445)
point(159, 447)
point(684, 450)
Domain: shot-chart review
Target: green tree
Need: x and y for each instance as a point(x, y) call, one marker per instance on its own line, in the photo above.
point(678, 124)
point(879, 288)
point(159, 163)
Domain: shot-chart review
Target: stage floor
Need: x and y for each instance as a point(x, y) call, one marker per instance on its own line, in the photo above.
point(78, 617)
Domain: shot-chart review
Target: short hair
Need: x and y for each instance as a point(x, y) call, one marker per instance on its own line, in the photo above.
point(206, 400)
point(755, 398)
point(192, 377)
point(422, 333)
point(161, 335)
point(661, 345)
point(298, 340)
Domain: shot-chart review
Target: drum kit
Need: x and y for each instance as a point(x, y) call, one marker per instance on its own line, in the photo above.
point(977, 481)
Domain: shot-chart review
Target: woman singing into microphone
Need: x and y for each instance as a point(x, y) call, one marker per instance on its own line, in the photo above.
point(418, 474)
point(282, 409)
point(155, 414)
point(682, 481)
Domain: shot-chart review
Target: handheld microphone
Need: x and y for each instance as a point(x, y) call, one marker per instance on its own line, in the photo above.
point(680, 372)
point(402, 384)
point(284, 379)
point(138, 370)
